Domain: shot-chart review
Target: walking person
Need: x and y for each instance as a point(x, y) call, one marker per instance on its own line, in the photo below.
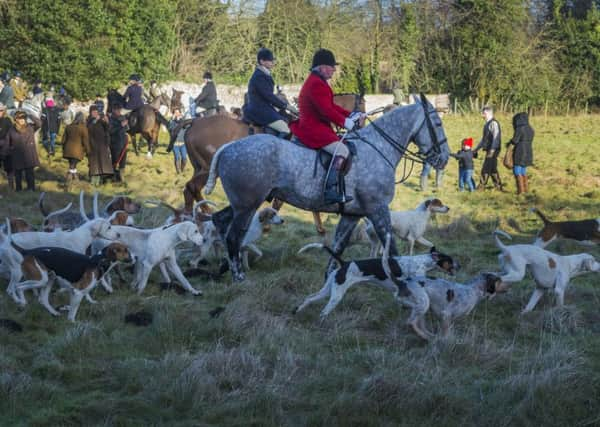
point(5, 157)
point(50, 125)
point(75, 146)
point(23, 151)
point(118, 126)
point(179, 150)
point(99, 157)
point(491, 143)
point(523, 151)
point(465, 165)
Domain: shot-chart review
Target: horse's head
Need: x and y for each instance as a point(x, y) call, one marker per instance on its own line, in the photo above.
point(430, 136)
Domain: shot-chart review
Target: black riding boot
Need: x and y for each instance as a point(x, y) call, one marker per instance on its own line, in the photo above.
point(334, 185)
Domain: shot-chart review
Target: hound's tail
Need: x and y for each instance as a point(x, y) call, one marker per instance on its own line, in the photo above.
point(497, 232)
point(212, 176)
point(41, 204)
point(541, 215)
point(324, 247)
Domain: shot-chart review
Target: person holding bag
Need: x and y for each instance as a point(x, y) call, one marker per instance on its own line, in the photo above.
point(523, 151)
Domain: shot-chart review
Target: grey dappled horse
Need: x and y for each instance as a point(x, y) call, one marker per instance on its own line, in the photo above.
point(261, 166)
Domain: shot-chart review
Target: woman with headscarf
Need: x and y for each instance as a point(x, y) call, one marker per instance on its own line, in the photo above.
point(21, 143)
point(75, 145)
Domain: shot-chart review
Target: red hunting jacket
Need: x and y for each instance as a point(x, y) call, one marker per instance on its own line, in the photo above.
point(317, 111)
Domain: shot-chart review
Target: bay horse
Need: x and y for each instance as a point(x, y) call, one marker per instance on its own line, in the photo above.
point(204, 137)
point(148, 120)
point(261, 167)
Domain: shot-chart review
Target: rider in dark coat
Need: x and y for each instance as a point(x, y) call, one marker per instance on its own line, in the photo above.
point(523, 154)
point(208, 96)
point(261, 101)
point(134, 99)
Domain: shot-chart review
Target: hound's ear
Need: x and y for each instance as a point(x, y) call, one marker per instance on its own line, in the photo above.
point(427, 203)
point(433, 250)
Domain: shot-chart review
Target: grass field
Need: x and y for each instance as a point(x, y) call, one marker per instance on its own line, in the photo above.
point(258, 365)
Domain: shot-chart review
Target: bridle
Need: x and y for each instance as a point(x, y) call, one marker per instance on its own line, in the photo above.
point(406, 154)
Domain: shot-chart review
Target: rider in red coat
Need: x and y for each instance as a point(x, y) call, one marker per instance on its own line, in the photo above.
point(317, 112)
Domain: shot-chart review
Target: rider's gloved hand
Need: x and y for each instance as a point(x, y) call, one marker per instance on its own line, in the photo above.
point(349, 123)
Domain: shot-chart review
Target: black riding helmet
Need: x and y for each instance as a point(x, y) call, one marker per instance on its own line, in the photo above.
point(323, 57)
point(264, 54)
point(207, 75)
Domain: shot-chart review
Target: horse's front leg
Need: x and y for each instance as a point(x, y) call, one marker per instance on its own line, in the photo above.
point(134, 142)
point(383, 225)
point(343, 231)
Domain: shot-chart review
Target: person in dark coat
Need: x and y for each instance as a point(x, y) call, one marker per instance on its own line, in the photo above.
point(5, 158)
point(50, 125)
point(523, 154)
point(7, 95)
point(99, 156)
point(491, 143)
point(118, 126)
point(134, 99)
point(262, 104)
point(75, 145)
point(21, 142)
point(207, 100)
point(37, 88)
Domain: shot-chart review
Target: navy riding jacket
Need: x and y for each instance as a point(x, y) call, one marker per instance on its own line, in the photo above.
point(261, 100)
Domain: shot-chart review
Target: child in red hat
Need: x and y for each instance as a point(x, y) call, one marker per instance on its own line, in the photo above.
point(465, 165)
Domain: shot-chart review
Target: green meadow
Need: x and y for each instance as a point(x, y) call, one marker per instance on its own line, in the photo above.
point(257, 364)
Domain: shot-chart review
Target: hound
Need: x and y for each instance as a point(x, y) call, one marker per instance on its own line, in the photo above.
point(121, 203)
point(384, 272)
point(407, 225)
point(585, 231)
point(17, 225)
point(153, 246)
point(77, 273)
point(77, 240)
point(266, 216)
point(549, 271)
point(449, 300)
point(63, 219)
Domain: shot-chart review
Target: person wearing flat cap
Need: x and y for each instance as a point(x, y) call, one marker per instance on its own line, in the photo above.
point(317, 112)
point(262, 104)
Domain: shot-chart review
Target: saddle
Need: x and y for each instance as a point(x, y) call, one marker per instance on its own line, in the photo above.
point(254, 128)
point(324, 158)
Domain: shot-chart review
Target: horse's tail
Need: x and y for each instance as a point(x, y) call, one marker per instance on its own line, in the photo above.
point(213, 174)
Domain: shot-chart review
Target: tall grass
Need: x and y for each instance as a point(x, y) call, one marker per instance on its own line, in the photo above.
point(257, 364)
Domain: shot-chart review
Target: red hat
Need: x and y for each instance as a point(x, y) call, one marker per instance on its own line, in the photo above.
point(468, 142)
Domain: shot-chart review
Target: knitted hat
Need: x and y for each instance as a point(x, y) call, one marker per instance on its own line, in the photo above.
point(323, 57)
point(50, 103)
point(468, 142)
